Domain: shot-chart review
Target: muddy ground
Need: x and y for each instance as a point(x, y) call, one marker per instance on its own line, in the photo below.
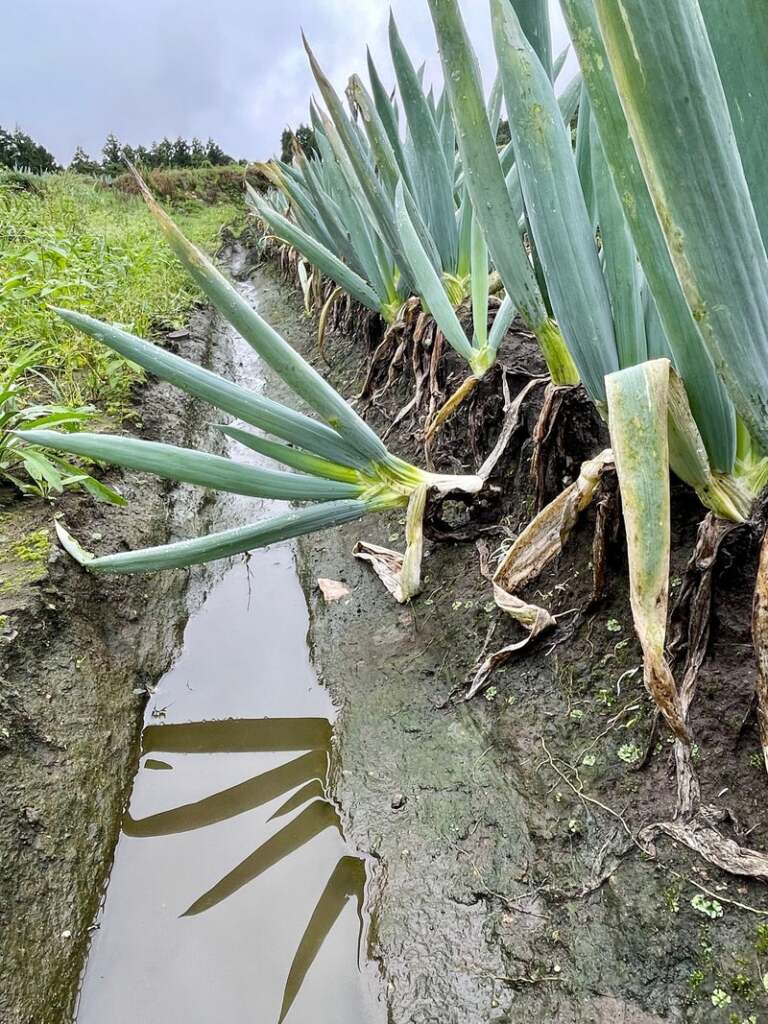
point(500, 892)
point(76, 657)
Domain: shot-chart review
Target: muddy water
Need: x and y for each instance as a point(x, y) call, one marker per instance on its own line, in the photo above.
point(233, 896)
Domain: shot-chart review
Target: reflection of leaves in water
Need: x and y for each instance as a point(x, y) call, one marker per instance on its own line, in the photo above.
point(238, 736)
point(233, 801)
point(347, 882)
point(313, 820)
point(309, 772)
point(311, 791)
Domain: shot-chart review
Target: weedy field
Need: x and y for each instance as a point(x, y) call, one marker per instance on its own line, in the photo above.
point(66, 238)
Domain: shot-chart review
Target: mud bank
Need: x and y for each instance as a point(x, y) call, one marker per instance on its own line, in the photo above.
point(76, 656)
point(509, 887)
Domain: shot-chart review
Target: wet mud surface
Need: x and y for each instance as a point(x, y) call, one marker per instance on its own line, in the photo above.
point(508, 886)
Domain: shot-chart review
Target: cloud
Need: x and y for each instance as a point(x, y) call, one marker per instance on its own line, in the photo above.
point(234, 70)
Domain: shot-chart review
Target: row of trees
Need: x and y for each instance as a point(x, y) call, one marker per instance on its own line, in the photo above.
point(163, 154)
point(20, 152)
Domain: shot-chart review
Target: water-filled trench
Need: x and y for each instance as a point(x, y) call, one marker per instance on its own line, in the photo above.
point(233, 895)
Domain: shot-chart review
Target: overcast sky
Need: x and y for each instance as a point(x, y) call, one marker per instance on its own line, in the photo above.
point(74, 70)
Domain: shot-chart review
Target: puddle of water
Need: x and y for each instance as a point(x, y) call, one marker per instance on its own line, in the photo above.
point(233, 896)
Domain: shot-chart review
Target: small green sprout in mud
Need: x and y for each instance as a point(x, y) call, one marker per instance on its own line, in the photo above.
point(629, 753)
point(743, 985)
point(490, 693)
point(720, 998)
point(672, 900)
point(589, 760)
point(761, 942)
point(576, 714)
point(695, 980)
point(711, 908)
point(613, 626)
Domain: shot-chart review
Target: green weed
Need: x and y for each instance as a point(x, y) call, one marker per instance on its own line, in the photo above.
point(69, 241)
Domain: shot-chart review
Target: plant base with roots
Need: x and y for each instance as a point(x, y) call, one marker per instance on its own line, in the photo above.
point(697, 826)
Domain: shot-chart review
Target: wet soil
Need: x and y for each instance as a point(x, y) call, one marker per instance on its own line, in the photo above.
point(508, 884)
point(499, 892)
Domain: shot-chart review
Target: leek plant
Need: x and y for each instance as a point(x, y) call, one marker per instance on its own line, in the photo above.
point(678, 92)
point(387, 217)
point(342, 467)
point(638, 238)
point(343, 212)
point(704, 169)
point(615, 308)
point(629, 257)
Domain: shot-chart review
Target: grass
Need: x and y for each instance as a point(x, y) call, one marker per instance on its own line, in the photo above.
point(69, 241)
point(212, 185)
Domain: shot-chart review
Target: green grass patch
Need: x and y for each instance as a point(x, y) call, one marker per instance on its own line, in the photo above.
point(67, 240)
point(222, 184)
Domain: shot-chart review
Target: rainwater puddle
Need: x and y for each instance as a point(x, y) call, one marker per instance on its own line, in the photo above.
point(233, 896)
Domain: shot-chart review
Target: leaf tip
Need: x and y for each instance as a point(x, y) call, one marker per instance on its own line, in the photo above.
point(71, 546)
